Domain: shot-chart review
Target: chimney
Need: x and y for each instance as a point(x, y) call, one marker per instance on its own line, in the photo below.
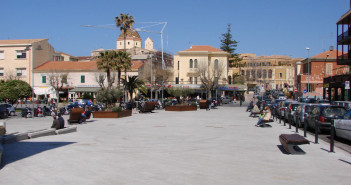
point(331, 48)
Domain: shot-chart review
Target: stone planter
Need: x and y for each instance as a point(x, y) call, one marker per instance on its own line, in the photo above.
point(181, 108)
point(110, 114)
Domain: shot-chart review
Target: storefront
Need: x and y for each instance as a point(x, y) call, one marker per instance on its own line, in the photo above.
point(337, 88)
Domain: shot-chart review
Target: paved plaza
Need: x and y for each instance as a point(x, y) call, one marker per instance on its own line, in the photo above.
point(217, 147)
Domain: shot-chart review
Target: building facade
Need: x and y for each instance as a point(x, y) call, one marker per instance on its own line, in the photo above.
point(315, 69)
point(271, 72)
point(188, 64)
point(18, 58)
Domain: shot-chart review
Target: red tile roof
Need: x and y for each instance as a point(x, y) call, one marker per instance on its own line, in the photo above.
point(67, 66)
point(21, 41)
point(331, 53)
point(137, 64)
point(204, 48)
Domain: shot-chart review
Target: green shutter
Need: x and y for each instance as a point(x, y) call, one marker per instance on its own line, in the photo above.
point(82, 79)
point(43, 79)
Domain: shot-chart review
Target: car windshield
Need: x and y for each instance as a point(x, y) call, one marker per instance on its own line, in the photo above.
point(333, 111)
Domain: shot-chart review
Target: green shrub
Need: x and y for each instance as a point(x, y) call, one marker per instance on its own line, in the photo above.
point(116, 109)
point(168, 104)
point(193, 104)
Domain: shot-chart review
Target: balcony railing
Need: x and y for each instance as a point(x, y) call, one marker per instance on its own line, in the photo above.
point(343, 35)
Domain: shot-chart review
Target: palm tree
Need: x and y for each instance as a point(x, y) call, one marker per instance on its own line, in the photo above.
point(123, 60)
point(107, 63)
point(124, 22)
point(134, 83)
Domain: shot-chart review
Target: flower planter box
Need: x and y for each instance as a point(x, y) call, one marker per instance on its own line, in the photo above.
point(110, 114)
point(181, 108)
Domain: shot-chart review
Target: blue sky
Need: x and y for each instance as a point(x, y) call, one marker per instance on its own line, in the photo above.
point(263, 27)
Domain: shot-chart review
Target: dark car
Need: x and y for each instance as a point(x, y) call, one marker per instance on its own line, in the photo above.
point(3, 111)
point(323, 115)
point(283, 107)
point(301, 112)
point(290, 110)
point(10, 109)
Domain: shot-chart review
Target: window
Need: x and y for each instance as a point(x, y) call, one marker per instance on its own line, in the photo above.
point(264, 73)
point(43, 79)
point(82, 79)
point(178, 65)
point(216, 64)
point(191, 63)
point(128, 43)
point(270, 73)
point(1, 71)
point(21, 54)
point(195, 80)
point(329, 69)
point(177, 80)
point(195, 63)
point(64, 79)
point(21, 71)
point(191, 80)
point(2, 56)
point(280, 75)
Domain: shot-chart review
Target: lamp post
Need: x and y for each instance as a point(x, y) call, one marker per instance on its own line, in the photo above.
point(308, 71)
point(150, 57)
point(31, 76)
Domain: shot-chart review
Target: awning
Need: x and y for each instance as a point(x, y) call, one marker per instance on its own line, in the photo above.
point(43, 90)
point(86, 89)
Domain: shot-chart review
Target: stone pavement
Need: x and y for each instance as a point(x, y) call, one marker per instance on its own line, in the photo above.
point(217, 147)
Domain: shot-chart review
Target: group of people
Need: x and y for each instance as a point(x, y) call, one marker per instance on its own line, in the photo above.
point(59, 122)
point(265, 114)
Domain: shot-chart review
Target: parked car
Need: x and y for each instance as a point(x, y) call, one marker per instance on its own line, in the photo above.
point(290, 110)
point(283, 107)
point(3, 112)
point(343, 128)
point(346, 104)
point(11, 110)
point(322, 115)
point(301, 112)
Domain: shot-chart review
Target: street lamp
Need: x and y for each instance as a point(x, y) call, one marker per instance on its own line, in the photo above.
point(308, 71)
point(31, 76)
point(150, 57)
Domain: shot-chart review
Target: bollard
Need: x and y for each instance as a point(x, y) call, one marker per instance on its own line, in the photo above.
point(284, 121)
point(290, 120)
point(296, 127)
point(280, 118)
point(304, 129)
point(332, 132)
point(316, 129)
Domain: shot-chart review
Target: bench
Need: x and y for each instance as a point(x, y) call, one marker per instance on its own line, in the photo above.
point(290, 142)
point(264, 123)
point(203, 104)
point(66, 130)
point(148, 107)
point(75, 115)
point(41, 133)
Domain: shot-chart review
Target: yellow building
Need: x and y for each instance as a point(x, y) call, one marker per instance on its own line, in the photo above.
point(189, 63)
point(19, 57)
point(273, 72)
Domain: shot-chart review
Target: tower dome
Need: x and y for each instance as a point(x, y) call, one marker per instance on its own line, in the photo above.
point(132, 39)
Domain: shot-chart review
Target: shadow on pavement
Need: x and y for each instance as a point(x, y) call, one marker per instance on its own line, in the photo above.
point(281, 148)
point(20, 150)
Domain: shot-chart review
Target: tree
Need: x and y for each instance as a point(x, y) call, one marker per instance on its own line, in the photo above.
point(209, 76)
point(134, 83)
point(109, 96)
point(100, 79)
point(56, 81)
point(124, 22)
point(107, 63)
point(229, 45)
point(178, 92)
point(12, 90)
point(123, 62)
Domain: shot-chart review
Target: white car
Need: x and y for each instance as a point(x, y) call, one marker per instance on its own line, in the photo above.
point(343, 128)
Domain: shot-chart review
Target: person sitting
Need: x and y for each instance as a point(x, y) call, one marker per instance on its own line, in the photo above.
point(254, 110)
point(61, 120)
point(265, 117)
point(55, 123)
point(250, 106)
point(82, 117)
